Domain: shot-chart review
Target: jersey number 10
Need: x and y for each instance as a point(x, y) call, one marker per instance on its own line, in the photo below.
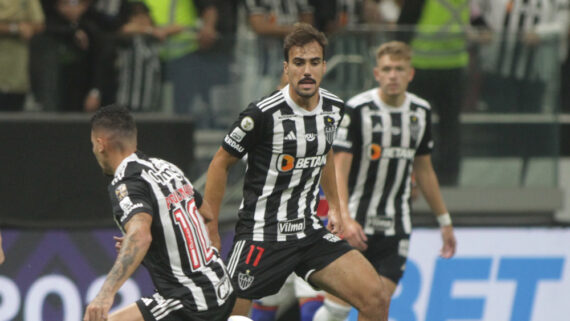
point(194, 233)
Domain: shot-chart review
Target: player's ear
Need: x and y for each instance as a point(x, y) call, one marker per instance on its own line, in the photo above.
point(285, 67)
point(412, 73)
point(376, 72)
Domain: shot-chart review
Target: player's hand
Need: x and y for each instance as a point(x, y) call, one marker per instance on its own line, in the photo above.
point(449, 243)
point(98, 309)
point(335, 222)
point(118, 242)
point(354, 235)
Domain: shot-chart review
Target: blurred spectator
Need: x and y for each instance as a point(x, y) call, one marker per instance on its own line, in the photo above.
point(270, 21)
point(215, 62)
point(439, 41)
point(138, 61)
point(526, 51)
point(19, 21)
point(109, 13)
point(65, 56)
point(186, 26)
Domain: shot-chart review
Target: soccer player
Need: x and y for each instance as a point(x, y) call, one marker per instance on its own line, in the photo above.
point(288, 138)
point(163, 220)
point(385, 134)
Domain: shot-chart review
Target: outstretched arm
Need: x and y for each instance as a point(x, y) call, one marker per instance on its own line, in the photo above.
point(427, 181)
point(133, 249)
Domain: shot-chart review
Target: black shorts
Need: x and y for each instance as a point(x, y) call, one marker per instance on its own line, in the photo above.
point(388, 255)
point(259, 269)
point(156, 308)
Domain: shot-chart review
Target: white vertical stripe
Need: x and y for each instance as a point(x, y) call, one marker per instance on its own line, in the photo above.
point(278, 137)
point(270, 180)
point(364, 162)
point(401, 166)
point(234, 259)
point(124, 83)
point(138, 71)
point(380, 180)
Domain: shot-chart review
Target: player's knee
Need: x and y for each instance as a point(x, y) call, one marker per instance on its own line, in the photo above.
point(377, 303)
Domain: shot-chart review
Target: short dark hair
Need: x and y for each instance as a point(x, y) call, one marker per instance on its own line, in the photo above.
point(115, 118)
point(303, 34)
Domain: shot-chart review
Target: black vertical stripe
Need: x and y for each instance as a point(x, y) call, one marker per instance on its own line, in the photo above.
point(519, 45)
point(503, 40)
point(531, 49)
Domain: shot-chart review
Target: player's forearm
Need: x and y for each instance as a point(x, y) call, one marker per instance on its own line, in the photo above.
point(133, 250)
point(342, 163)
point(427, 181)
point(329, 185)
point(216, 181)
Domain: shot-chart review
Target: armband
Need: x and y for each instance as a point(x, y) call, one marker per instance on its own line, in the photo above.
point(443, 219)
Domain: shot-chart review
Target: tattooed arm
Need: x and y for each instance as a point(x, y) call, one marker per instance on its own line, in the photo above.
point(135, 245)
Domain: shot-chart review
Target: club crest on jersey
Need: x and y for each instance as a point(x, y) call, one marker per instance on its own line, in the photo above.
point(330, 132)
point(245, 280)
point(121, 192)
point(414, 127)
point(292, 226)
point(247, 123)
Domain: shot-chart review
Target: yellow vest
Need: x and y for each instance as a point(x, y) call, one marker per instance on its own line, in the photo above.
point(179, 12)
point(440, 40)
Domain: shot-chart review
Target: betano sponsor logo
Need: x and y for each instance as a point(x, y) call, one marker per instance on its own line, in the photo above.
point(376, 151)
point(286, 162)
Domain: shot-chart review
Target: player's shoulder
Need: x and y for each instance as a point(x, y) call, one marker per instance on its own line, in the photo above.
point(267, 103)
point(131, 167)
point(418, 101)
point(328, 96)
point(365, 97)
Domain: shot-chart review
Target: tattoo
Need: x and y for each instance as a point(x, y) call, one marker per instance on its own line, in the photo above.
point(128, 258)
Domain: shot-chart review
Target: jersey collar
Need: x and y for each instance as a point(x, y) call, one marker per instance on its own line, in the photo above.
point(298, 109)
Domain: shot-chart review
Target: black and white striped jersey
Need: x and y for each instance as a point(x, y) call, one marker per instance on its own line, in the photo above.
point(383, 141)
point(282, 12)
point(507, 54)
point(139, 73)
point(286, 148)
point(181, 260)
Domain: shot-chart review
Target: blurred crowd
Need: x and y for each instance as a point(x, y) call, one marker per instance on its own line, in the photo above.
point(77, 55)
